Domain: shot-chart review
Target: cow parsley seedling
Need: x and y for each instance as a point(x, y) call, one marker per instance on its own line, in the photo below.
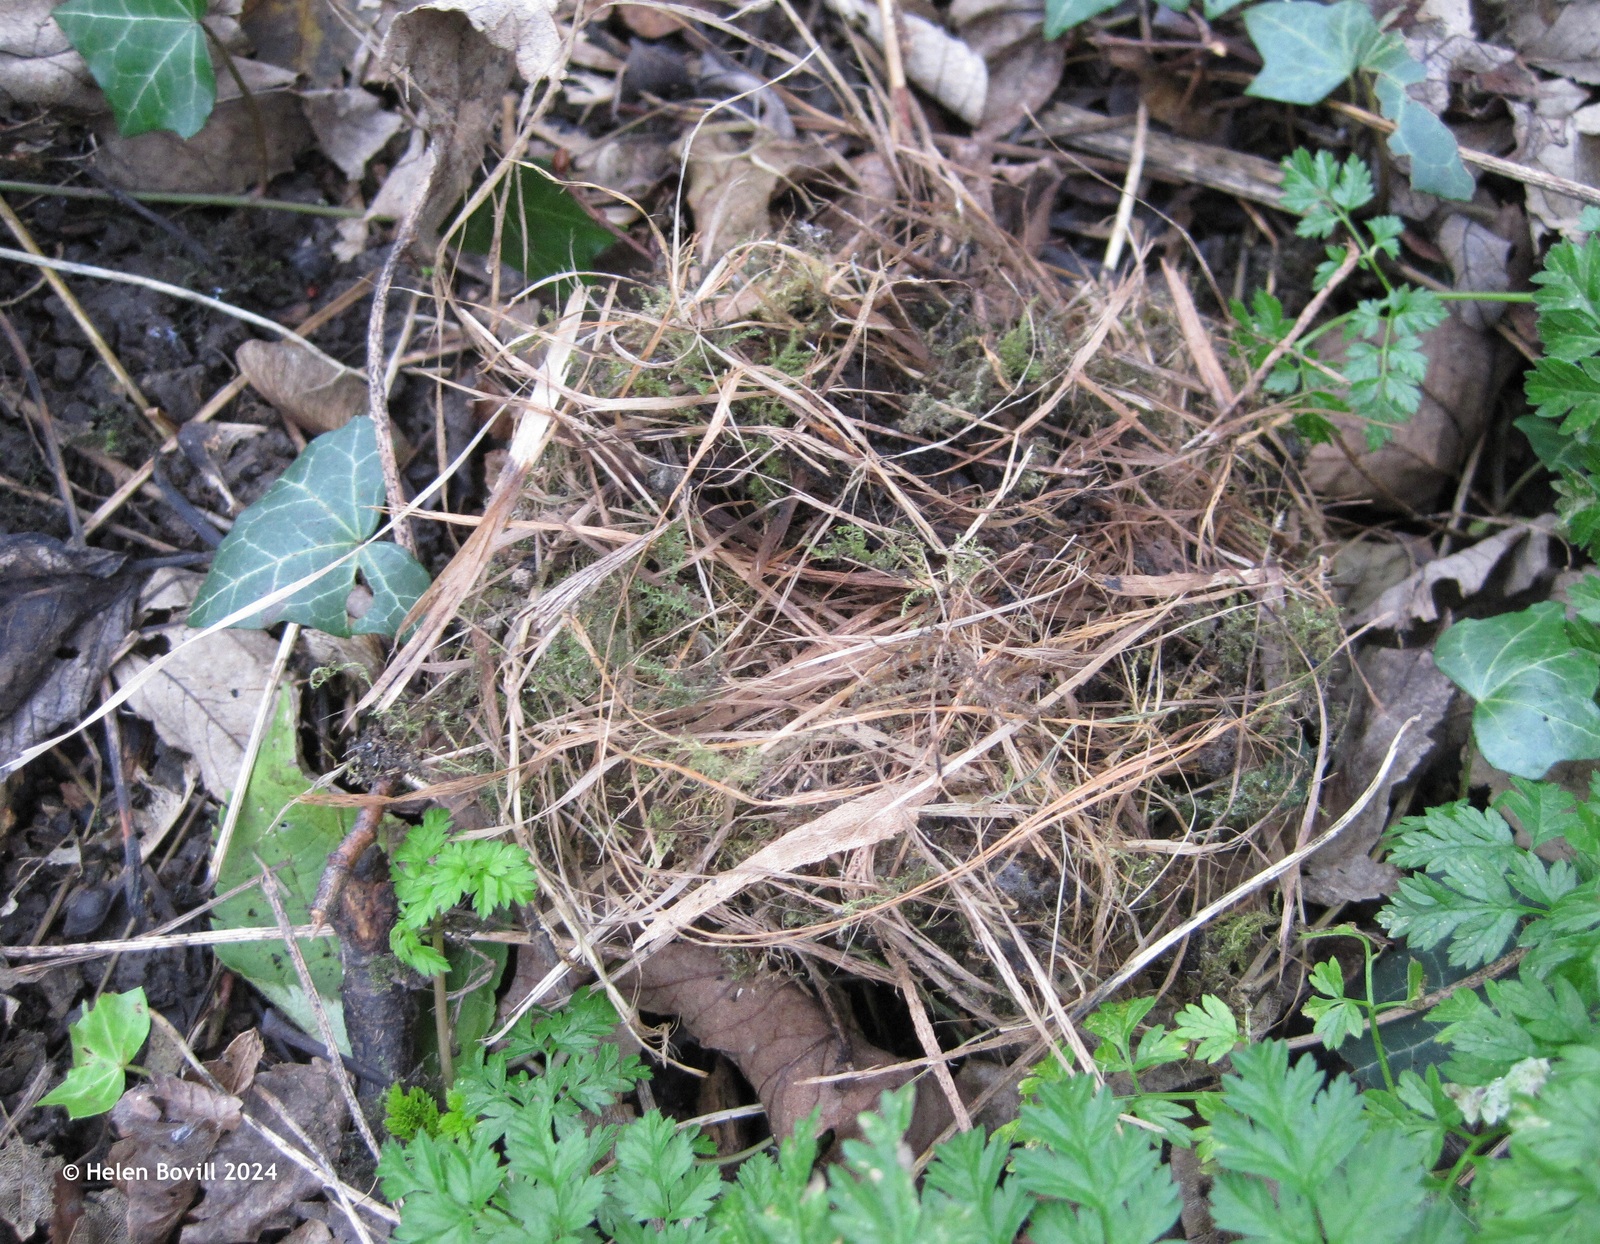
point(433, 872)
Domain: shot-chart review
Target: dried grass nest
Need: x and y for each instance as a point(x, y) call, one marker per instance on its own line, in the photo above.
point(901, 609)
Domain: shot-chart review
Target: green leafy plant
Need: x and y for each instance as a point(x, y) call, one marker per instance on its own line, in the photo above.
point(104, 1043)
point(1534, 673)
point(149, 57)
point(1309, 50)
point(316, 518)
point(1384, 366)
point(433, 872)
point(545, 231)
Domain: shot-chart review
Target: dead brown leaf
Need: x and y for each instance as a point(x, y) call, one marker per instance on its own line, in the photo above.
point(1394, 685)
point(780, 1038)
point(1563, 40)
point(169, 1128)
point(1024, 68)
point(307, 388)
point(1514, 559)
point(26, 1172)
point(38, 67)
point(935, 60)
point(351, 126)
point(1424, 454)
point(1479, 260)
point(235, 1069)
point(460, 55)
point(238, 1212)
point(224, 157)
point(1557, 131)
point(204, 700)
point(733, 177)
point(63, 614)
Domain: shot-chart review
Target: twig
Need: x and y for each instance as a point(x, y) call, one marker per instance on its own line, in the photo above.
point(252, 748)
point(132, 862)
point(377, 373)
point(163, 426)
point(361, 836)
point(1130, 189)
point(46, 426)
point(190, 200)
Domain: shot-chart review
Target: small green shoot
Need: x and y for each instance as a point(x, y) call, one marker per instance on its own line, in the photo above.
point(1384, 365)
point(104, 1043)
point(432, 873)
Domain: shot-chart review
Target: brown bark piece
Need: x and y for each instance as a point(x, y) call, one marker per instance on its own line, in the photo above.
point(780, 1038)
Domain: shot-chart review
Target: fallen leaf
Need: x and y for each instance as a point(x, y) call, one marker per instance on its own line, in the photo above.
point(935, 60)
point(351, 126)
point(1479, 260)
point(1024, 68)
point(733, 179)
point(649, 22)
point(169, 1128)
point(223, 158)
point(1516, 558)
point(1395, 684)
point(781, 1039)
point(204, 699)
point(235, 1067)
point(1555, 132)
point(1425, 453)
point(1563, 40)
point(26, 1173)
point(306, 388)
point(38, 67)
point(63, 614)
point(234, 1211)
point(326, 45)
point(294, 839)
point(459, 56)
point(860, 822)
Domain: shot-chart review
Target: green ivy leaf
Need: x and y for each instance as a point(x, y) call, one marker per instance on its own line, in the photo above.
point(104, 1042)
point(545, 233)
point(1309, 49)
point(1061, 16)
point(149, 57)
point(315, 515)
point(1535, 691)
point(1435, 155)
point(294, 839)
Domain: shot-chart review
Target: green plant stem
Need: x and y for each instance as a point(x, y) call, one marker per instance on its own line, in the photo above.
point(441, 1018)
point(187, 200)
point(1471, 295)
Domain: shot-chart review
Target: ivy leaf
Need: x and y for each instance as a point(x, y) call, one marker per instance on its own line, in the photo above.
point(1535, 691)
point(1061, 16)
point(1436, 166)
point(545, 231)
point(315, 515)
point(150, 59)
point(294, 840)
point(1309, 49)
point(104, 1042)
